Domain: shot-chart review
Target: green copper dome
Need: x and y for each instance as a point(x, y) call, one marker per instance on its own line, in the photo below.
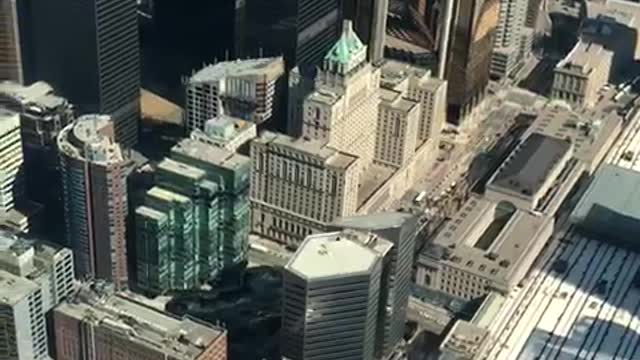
point(346, 47)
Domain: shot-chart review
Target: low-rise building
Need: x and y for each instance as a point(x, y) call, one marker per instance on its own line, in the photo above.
point(579, 76)
point(113, 326)
point(226, 132)
point(486, 246)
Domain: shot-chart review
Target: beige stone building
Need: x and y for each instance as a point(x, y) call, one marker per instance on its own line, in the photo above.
point(299, 186)
point(343, 109)
point(397, 128)
point(579, 76)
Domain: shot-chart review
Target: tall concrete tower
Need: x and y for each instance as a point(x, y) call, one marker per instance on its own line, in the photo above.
point(94, 177)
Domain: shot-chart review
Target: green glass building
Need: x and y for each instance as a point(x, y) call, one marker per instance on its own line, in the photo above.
point(195, 222)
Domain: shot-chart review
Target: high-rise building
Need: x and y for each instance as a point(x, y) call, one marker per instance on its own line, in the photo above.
point(331, 297)
point(11, 67)
point(94, 177)
point(195, 223)
point(89, 52)
point(299, 186)
point(370, 21)
point(468, 54)
point(43, 115)
point(513, 39)
point(246, 89)
point(34, 277)
point(11, 160)
point(399, 229)
point(98, 323)
point(343, 109)
point(301, 30)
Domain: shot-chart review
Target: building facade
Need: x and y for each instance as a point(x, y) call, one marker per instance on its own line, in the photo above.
point(11, 67)
point(12, 161)
point(103, 74)
point(397, 128)
point(34, 277)
point(580, 75)
point(299, 186)
point(245, 89)
point(43, 115)
point(513, 39)
point(94, 177)
point(194, 224)
point(399, 229)
point(370, 23)
point(97, 323)
point(317, 324)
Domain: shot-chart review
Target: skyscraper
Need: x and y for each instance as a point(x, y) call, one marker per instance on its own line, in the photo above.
point(331, 297)
point(301, 30)
point(512, 40)
point(10, 44)
point(370, 21)
point(89, 52)
point(468, 54)
point(399, 229)
point(94, 177)
point(34, 277)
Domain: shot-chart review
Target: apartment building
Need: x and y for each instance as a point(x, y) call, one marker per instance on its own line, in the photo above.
point(513, 39)
point(34, 277)
point(245, 89)
point(579, 76)
point(94, 177)
point(116, 326)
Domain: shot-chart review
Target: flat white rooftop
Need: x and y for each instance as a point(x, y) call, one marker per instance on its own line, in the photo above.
point(331, 254)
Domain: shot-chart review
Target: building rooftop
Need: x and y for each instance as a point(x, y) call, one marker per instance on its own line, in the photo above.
point(225, 127)
point(183, 338)
point(615, 189)
point(486, 238)
point(181, 169)
point(324, 96)
point(27, 257)
point(347, 47)
point(395, 72)
point(38, 94)
point(151, 213)
point(167, 195)
point(239, 68)
point(589, 131)
point(210, 154)
point(527, 168)
point(333, 254)
point(382, 220)
point(622, 12)
point(14, 288)
point(91, 138)
point(584, 57)
point(312, 147)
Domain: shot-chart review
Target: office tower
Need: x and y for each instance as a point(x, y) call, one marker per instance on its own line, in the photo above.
point(299, 186)
point(10, 45)
point(399, 229)
point(97, 323)
point(370, 21)
point(468, 54)
point(246, 89)
point(43, 115)
point(194, 224)
point(513, 39)
point(580, 75)
point(94, 177)
point(34, 277)
point(89, 52)
point(331, 297)
point(343, 109)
